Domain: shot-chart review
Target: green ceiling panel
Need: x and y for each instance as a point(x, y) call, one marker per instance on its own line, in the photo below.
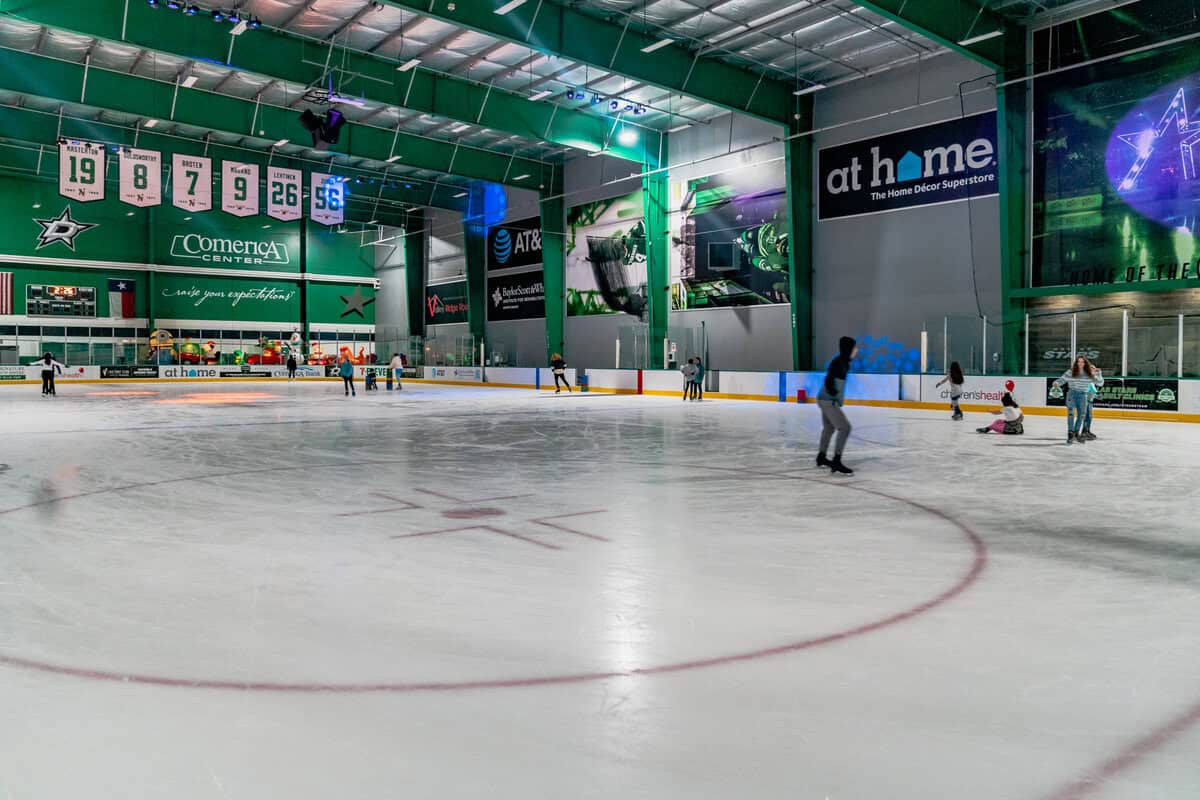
point(555, 29)
point(279, 55)
point(948, 22)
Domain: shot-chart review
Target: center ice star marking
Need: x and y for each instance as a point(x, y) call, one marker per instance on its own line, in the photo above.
point(468, 509)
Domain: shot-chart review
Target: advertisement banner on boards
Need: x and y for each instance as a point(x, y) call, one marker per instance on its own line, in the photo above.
point(454, 374)
point(515, 244)
point(446, 303)
point(131, 372)
point(1132, 394)
point(520, 296)
point(81, 171)
point(985, 390)
point(140, 174)
point(239, 188)
point(191, 182)
point(943, 163)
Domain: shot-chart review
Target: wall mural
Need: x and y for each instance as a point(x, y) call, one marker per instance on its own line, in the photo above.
point(606, 258)
point(1117, 172)
point(730, 242)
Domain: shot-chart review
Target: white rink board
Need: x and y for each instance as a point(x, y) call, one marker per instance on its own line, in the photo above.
point(986, 390)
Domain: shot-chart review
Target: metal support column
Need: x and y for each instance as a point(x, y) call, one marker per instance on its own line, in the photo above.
point(798, 169)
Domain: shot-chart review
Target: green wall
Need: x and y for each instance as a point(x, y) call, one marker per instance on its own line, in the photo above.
point(203, 243)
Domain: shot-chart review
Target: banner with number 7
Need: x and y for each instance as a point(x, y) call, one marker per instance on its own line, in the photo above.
point(191, 182)
point(284, 192)
point(239, 188)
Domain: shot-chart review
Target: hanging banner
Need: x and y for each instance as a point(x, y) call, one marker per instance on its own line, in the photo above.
point(520, 296)
point(191, 182)
point(446, 303)
point(327, 200)
point(239, 188)
point(141, 177)
point(284, 193)
point(81, 171)
point(515, 244)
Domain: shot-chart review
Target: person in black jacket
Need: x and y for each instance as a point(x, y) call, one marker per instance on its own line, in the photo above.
point(559, 368)
point(830, 399)
point(49, 367)
point(291, 366)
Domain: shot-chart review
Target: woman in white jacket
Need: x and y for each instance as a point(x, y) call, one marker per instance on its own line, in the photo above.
point(49, 366)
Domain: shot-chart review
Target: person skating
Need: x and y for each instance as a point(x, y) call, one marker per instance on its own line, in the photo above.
point(559, 367)
point(397, 367)
point(49, 367)
point(698, 382)
point(688, 371)
point(956, 380)
point(291, 367)
point(346, 371)
point(830, 400)
point(1012, 420)
point(1078, 379)
point(1092, 393)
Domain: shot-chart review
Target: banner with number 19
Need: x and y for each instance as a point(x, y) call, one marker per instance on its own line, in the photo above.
point(81, 171)
point(141, 177)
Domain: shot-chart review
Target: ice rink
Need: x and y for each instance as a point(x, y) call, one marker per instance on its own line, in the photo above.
point(263, 590)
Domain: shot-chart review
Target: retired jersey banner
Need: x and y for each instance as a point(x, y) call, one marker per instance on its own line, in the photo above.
point(284, 192)
point(239, 188)
point(327, 201)
point(191, 182)
point(141, 177)
point(81, 171)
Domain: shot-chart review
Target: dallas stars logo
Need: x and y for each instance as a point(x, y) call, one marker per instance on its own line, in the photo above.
point(1187, 136)
point(356, 302)
point(61, 229)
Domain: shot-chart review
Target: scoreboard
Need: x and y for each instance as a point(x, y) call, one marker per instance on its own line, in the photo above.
point(60, 301)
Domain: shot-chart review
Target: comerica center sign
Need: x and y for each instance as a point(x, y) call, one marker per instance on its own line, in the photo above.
point(219, 250)
point(942, 163)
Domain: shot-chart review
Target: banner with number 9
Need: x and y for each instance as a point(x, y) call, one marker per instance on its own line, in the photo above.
point(284, 187)
point(239, 188)
point(81, 171)
point(191, 182)
point(141, 177)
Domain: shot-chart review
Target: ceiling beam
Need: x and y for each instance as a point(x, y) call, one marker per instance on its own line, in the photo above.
point(949, 22)
point(552, 28)
point(64, 81)
point(290, 57)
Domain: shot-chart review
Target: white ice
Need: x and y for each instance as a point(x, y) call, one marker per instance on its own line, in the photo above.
point(215, 591)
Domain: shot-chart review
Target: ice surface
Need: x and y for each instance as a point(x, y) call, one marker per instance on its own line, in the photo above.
point(262, 590)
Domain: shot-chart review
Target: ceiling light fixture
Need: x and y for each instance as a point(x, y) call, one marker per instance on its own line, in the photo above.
point(239, 28)
point(218, 15)
point(460, 194)
point(814, 87)
point(191, 10)
point(542, 95)
point(679, 128)
point(459, 128)
point(659, 45)
point(281, 143)
point(392, 159)
point(511, 5)
point(150, 123)
point(521, 177)
point(190, 81)
point(407, 65)
point(627, 137)
point(983, 37)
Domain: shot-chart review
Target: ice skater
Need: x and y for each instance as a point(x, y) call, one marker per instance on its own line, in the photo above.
point(559, 367)
point(688, 371)
point(956, 380)
point(830, 399)
point(291, 367)
point(1012, 421)
point(396, 365)
point(1078, 379)
point(346, 371)
point(49, 367)
point(698, 382)
point(1092, 393)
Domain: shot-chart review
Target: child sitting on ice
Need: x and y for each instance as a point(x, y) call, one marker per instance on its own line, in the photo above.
point(1013, 420)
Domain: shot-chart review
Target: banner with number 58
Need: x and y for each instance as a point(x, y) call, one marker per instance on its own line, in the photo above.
point(328, 199)
point(284, 193)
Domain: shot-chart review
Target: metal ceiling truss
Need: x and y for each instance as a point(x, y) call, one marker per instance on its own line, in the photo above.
point(965, 26)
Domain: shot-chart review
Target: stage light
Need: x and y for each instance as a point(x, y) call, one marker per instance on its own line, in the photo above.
point(191, 10)
point(640, 110)
point(595, 99)
point(325, 131)
point(254, 23)
point(152, 3)
point(234, 17)
point(627, 137)
point(174, 5)
point(614, 105)
point(217, 16)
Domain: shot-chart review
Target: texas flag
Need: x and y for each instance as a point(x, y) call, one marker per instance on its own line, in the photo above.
point(120, 298)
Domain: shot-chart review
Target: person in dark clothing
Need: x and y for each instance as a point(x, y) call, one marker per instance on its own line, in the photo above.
point(49, 367)
point(559, 368)
point(698, 382)
point(831, 399)
point(291, 366)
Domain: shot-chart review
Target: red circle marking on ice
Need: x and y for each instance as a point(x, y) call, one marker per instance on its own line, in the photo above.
point(964, 581)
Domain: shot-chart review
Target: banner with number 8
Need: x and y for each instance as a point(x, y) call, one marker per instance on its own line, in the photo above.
point(191, 182)
point(141, 177)
point(239, 188)
point(81, 171)
point(328, 199)
point(284, 193)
